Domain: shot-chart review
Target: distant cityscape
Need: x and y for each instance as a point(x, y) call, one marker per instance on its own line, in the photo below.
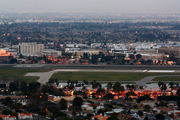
point(59, 39)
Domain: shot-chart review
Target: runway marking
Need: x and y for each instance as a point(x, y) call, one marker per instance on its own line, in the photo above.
point(162, 71)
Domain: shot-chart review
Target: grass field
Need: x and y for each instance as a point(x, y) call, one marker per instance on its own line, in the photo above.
point(104, 76)
point(173, 78)
point(10, 74)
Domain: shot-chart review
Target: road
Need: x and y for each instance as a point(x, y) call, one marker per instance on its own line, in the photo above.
point(44, 76)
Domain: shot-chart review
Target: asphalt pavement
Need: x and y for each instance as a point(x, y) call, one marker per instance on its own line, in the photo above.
point(45, 76)
point(92, 66)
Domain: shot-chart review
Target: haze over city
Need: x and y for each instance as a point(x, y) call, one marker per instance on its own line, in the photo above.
point(89, 60)
point(90, 6)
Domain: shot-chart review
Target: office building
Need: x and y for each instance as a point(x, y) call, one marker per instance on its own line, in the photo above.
point(31, 49)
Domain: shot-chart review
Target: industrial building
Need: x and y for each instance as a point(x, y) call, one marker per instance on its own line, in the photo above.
point(169, 50)
point(51, 52)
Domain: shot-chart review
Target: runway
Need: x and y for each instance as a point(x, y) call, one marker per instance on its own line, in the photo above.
point(45, 76)
point(114, 67)
point(91, 66)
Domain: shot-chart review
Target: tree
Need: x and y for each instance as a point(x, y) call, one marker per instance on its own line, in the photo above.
point(21, 56)
point(3, 86)
point(146, 118)
point(39, 58)
point(142, 61)
point(163, 87)
point(147, 107)
point(123, 61)
point(29, 57)
point(42, 113)
point(34, 86)
point(76, 82)
point(131, 56)
point(140, 113)
point(51, 81)
point(23, 86)
point(59, 113)
point(44, 57)
point(56, 81)
point(138, 56)
point(160, 84)
point(100, 91)
point(86, 56)
point(149, 62)
point(109, 86)
point(7, 100)
point(145, 97)
point(177, 85)
point(63, 104)
point(100, 111)
point(74, 113)
point(13, 60)
point(38, 101)
point(178, 91)
point(12, 86)
point(77, 101)
point(53, 108)
point(178, 104)
point(113, 117)
point(172, 57)
point(69, 81)
point(109, 96)
point(94, 59)
point(171, 84)
point(6, 112)
point(159, 117)
point(118, 88)
point(141, 87)
point(59, 93)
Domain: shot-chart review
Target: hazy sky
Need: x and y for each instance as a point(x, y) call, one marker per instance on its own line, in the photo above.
point(89, 6)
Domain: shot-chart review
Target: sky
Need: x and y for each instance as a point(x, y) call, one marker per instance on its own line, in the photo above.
point(89, 6)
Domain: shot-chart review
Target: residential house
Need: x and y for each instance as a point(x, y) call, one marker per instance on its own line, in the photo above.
point(25, 115)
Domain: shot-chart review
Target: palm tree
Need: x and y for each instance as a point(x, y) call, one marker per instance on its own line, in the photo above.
point(160, 84)
point(84, 81)
point(76, 82)
point(68, 82)
point(171, 84)
point(56, 81)
point(177, 85)
point(109, 86)
point(72, 82)
point(163, 88)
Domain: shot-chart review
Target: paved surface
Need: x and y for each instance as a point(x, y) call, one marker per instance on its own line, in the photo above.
point(93, 67)
point(150, 78)
point(29, 65)
point(117, 67)
point(44, 76)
